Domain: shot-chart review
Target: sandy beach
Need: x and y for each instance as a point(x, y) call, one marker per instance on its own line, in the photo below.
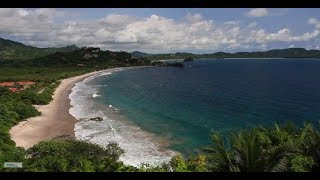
point(55, 120)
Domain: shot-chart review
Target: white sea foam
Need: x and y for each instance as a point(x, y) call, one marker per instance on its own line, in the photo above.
point(139, 145)
point(95, 95)
point(114, 108)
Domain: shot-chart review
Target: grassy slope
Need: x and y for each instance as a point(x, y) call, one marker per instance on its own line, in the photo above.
point(45, 74)
point(13, 50)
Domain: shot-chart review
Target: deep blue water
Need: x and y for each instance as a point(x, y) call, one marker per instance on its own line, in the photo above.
point(186, 104)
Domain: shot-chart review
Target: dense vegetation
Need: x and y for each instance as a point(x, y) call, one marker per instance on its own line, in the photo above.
point(84, 57)
point(16, 107)
point(13, 108)
point(285, 149)
point(275, 149)
point(40, 74)
point(74, 156)
point(275, 53)
point(46, 71)
point(14, 50)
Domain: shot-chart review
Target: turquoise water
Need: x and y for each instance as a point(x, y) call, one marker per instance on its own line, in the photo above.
point(184, 105)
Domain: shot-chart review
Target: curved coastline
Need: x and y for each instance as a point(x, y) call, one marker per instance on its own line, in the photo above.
point(63, 117)
point(55, 120)
point(140, 146)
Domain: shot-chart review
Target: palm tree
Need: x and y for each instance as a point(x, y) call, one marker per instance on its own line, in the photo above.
point(255, 151)
point(310, 145)
point(247, 155)
point(219, 157)
point(281, 147)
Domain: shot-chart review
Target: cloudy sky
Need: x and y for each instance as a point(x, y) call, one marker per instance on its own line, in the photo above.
point(165, 30)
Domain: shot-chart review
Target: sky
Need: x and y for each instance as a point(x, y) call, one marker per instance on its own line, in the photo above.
point(165, 30)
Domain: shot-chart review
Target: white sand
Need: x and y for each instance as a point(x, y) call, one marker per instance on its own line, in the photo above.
point(55, 120)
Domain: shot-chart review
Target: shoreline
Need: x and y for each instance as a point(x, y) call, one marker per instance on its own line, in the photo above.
point(58, 121)
point(140, 145)
point(55, 120)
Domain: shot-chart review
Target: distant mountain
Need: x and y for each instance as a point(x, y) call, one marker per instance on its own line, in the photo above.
point(15, 50)
point(275, 53)
point(140, 54)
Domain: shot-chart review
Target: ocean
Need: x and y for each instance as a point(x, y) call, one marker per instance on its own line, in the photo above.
point(154, 113)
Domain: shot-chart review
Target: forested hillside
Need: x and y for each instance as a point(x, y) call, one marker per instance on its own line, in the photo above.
point(15, 50)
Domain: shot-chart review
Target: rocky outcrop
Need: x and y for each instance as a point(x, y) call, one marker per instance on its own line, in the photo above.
point(96, 119)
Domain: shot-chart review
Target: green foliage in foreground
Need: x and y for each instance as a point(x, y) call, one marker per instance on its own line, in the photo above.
point(259, 150)
point(69, 155)
point(73, 156)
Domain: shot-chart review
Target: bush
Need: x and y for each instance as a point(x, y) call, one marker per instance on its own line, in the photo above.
point(73, 156)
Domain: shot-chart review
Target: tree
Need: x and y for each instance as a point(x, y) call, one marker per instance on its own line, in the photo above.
point(246, 152)
point(257, 150)
point(178, 164)
point(4, 90)
point(198, 164)
point(73, 156)
point(219, 157)
point(310, 147)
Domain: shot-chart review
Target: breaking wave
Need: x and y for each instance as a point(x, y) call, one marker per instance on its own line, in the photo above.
point(140, 146)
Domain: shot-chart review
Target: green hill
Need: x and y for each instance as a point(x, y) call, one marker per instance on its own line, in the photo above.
point(140, 54)
point(15, 50)
point(89, 57)
point(274, 53)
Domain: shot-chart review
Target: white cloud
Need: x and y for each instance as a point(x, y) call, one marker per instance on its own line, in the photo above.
point(258, 12)
point(306, 36)
point(153, 34)
point(263, 47)
point(283, 35)
point(315, 22)
point(25, 21)
point(262, 12)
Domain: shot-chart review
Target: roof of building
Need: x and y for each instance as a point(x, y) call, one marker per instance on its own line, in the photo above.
point(6, 83)
point(26, 83)
point(14, 89)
